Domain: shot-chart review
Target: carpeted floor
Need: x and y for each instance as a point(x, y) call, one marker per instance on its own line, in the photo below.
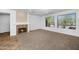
point(46, 40)
point(39, 40)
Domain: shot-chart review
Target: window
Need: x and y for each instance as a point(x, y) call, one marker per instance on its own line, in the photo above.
point(67, 21)
point(50, 21)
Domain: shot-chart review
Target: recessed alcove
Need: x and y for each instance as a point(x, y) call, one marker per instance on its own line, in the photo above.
point(4, 24)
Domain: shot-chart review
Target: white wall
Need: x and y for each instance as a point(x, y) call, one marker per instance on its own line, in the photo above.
point(35, 22)
point(4, 23)
point(65, 31)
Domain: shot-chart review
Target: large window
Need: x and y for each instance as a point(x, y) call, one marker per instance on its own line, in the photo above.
point(67, 21)
point(50, 21)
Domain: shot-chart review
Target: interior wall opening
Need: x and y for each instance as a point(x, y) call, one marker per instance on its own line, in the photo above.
point(4, 24)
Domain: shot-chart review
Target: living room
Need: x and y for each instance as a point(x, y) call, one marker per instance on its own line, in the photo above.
point(36, 29)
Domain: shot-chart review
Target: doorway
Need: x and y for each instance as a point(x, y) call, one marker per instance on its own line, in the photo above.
point(4, 24)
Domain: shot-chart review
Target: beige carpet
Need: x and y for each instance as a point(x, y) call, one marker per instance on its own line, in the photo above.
point(46, 40)
point(39, 40)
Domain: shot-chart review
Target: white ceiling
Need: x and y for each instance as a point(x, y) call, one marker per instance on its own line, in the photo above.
point(42, 11)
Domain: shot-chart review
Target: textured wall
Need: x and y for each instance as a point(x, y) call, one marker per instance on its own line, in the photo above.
point(21, 17)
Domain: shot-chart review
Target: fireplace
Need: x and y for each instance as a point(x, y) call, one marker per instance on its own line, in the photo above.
point(21, 28)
